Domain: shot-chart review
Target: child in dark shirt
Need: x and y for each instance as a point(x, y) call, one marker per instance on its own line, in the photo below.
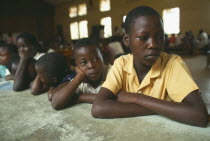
point(51, 69)
point(28, 47)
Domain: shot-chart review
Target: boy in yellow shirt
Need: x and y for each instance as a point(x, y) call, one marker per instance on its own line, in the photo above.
point(149, 81)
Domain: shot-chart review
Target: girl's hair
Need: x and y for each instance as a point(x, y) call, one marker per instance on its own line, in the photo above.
point(31, 38)
point(136, 12)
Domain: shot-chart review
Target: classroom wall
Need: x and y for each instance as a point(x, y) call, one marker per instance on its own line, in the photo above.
point(33, 16)
point(193, 13)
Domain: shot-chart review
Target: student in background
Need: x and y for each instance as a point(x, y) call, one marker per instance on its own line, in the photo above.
point(149, 81)
point(172, 40)
point(10, 59)
point(115, 50)
point(91, 73)
point(29, 50)
point(51, 69)
point(29, 40)
point(179, 39)
point(10, 39)
point(202, 39)
point(2, 72)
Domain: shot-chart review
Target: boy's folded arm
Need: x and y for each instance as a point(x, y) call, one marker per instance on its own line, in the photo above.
point(86, 98)
point(65, 96)
point(53, 90)
point(191, 110)
point(107, 106)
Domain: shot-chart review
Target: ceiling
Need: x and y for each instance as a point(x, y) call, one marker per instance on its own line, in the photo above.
point(56, 2)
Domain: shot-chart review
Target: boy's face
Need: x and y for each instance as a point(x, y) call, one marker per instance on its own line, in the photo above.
point(21, 42)
point(4, 56)
point(49, 81)
point(89, 60)
point(146, 39)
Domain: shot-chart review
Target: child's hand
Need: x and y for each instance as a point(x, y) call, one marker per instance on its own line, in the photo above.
point(49, 94)
point(81, 74)
point(25, 53)
point(9, 77)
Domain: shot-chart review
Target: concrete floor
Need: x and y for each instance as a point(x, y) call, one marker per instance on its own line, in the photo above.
point(24, 117)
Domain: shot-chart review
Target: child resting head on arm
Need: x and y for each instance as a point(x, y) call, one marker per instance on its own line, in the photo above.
point(149, 81)
point(91, 73)
point(9, 57)
point(29, 50)
point(51, 69)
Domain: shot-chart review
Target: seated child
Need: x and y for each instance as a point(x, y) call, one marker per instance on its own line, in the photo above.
point(51, 68)
point(149, 81)
point(29, 50)
point(91, 73)
point(9, 57)
point(2, 71)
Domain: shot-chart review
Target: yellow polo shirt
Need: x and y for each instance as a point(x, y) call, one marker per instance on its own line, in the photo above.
point(168, 79)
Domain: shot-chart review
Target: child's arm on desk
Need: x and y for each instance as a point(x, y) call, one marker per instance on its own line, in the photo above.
point(37, 87)
point(65, 95)
point(191, 110)
point(52, 90)
point(86, 98)
point(82, 98)
point(26, 70)
point(107, 105)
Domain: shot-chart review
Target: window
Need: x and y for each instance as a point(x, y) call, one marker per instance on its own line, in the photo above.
point(72, 11)
point(171, 18)
point(124, 17)
point(105, 5)
point(83, 29)
point(82, 9)
point(107, 23)
point(74, 31)
point(79, 31)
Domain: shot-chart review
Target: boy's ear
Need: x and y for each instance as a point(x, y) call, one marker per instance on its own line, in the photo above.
point(126, 39)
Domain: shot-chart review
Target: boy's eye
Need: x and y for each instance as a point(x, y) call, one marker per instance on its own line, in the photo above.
point(83, 63)
point(142, 38)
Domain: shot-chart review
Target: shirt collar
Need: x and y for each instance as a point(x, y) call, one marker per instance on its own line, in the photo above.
point(153, 73)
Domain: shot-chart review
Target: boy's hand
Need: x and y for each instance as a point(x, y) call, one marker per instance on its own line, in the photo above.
point(49, 93)
point(25, 53)
point(9, 77)
point(81, 74)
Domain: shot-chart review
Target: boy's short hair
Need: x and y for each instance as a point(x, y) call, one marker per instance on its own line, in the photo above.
point(30, 37)
point(10, 47)
point(86, 42)
point(136, 12)
point(53, 64)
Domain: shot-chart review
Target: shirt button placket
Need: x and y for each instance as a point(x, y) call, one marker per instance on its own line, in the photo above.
point(139, 92)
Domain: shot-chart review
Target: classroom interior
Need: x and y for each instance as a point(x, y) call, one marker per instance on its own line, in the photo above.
point(58, 24)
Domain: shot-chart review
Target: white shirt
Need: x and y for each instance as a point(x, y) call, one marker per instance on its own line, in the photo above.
point(85, 88)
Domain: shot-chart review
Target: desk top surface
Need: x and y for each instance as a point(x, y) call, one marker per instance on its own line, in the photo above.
point(26, 117)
